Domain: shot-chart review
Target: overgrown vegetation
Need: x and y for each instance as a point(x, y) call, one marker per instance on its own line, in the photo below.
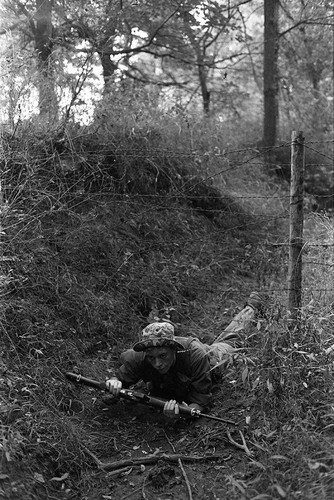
point(104, 231)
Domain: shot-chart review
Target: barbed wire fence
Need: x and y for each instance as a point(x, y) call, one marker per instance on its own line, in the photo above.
point(253, 158)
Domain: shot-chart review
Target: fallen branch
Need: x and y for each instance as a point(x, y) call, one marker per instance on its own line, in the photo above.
point(93, 456)
point(170, 443)
point(115, 473)
point(186, 479)
point(242, 446)
point(151, 459)
point(247, 450)
point(143, 494)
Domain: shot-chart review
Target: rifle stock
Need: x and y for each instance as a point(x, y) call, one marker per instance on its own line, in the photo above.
point(140, 397)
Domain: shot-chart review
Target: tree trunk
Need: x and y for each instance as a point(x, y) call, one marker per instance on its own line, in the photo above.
point(204, 87)
point(108, 68)
point(270, 72)
point(44, 45)
point(200, 59)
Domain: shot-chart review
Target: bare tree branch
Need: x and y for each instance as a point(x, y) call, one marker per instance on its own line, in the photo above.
point(144, 78)
point(28, 16)
point(256, 79)
point(151, 38)
point(304, 22)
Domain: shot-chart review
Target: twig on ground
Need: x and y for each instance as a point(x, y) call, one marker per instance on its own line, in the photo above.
point(93, 456)
point(135, 491)
point(242, 446)
point(247, 450)
point(186, 479)
point(143, 494)
point(170, 443)
point(123, 465)
point(212, 433)
point(150, 459)
point(118, 471)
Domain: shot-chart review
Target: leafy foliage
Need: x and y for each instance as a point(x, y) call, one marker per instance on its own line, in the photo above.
point(146, 210)
point(109, 230)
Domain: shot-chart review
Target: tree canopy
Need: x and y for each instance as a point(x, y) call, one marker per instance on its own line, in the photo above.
point(203, 56)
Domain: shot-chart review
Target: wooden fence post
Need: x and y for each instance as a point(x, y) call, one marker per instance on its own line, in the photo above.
point(296, 226)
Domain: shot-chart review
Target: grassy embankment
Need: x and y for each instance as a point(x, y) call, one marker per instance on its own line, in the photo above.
point(104, 232)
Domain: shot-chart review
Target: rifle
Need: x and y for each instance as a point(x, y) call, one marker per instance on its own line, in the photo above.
point(140, 397)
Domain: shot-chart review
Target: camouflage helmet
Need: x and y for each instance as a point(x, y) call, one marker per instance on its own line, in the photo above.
point(158, 335)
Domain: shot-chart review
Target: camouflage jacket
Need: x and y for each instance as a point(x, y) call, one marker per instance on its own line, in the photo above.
point(188, 380)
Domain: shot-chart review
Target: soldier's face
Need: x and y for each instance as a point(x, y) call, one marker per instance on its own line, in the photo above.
point(161, 358)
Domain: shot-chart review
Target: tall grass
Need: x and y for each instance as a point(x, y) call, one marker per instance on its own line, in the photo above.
point(84, 269)
point(293, 382)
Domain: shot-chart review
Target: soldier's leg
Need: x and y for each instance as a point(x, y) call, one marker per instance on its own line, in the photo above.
point(234, 333)
point(231, 339)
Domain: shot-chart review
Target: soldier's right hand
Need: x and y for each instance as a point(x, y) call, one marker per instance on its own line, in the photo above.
point(114, 386)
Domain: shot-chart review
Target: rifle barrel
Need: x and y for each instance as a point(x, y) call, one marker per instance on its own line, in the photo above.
point(76, 377)
point(219, 419)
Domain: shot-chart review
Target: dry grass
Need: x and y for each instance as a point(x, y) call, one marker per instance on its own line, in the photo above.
point(85, 268)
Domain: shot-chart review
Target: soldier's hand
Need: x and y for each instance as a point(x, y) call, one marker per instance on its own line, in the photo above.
point(114, 386)
point(171, 409)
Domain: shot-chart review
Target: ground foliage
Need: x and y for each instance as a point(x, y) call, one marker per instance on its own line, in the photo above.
point(100, 237)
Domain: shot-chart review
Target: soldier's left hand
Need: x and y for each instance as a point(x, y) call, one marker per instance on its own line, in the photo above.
point(171, 409)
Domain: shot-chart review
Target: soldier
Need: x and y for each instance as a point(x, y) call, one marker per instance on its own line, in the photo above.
point(180, 369)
